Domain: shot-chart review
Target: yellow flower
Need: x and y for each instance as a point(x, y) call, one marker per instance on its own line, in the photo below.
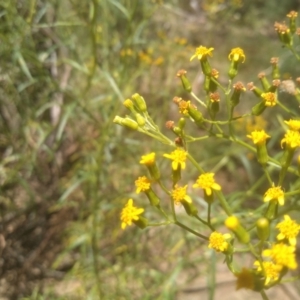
point(129, 214)
point(184, 107)
point(217, 241)
point(270, 270)
point(289, 229)
point(258, 136)
point(245, 279)
point(291, 138)
point(293, 124)
point(202, 52)
point(274, 193)
point(148, 159)
point(142, 184)
point(206, 181)
point(178, 158)
point(283, 255)
point(237, 54)
point(269, 98)
point(179, 194)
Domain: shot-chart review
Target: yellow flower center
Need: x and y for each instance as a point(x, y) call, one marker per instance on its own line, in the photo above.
point(269, 98)
point(179, 193)
point(289, 229)
point(206, 181)
point(283, 255)
point(274, 193)
point(291, 138)
point(237, 54)
point(148, 159)
point(130, 213)
point(178, 157)
point(258, 136)
point(184, 106)
point(217, 241)
point(293, 124)
point(202, 52)
point(142, 184)
point(271, 270)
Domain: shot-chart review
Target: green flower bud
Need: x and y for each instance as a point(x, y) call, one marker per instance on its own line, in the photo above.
point(240, 232)
point(190, 208)
point(263, 229)
point(140, 102)
point(140, 120)
point(272, 210)
point(185, 82)
point(275, 68)
point(126, 122)
point(196, 115)
point(258, 109)
point(153, 199)
point(141, 222)
point(264, 81)
point(206, 68)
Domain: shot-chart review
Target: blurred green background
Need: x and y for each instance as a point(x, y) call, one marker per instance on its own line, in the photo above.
point(66, 170)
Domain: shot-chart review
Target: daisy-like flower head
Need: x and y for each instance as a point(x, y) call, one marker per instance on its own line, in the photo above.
point(258, 136)
point(270, 270)
point(142, 184)
point(291, 139)
point(292, 14)
point(178, 158)
point(179, 194)
point(202, 53)
point(148, 159)
point(184, 107)
point(274, 193)
point(283, 255)
point(293, 124)
point(245, 279)
point(269, 98)
point(289, 230)
point(130, 213)
point(217, 241)
point(237, 54)
point(207, 182)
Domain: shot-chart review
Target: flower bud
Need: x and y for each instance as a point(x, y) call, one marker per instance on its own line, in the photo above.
point(292, 15)
point(139, 102)
point(140, 120)
point(235, 97)
point(153, 199)
point(206, 68)
point(181, 123)
point(263, 229)
point(272, 210)
point(264, 81)
point(258, 109)
point(126, 122)
point(185, 82)
point(240, 232)
point(256, 91)
point(190, 208)
point(196, 115)
point(275, 68)
point(141, 222)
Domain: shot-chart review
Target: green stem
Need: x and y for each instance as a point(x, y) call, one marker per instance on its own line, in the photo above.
point(264, 295)
point(191, 230)
point(223, 203)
